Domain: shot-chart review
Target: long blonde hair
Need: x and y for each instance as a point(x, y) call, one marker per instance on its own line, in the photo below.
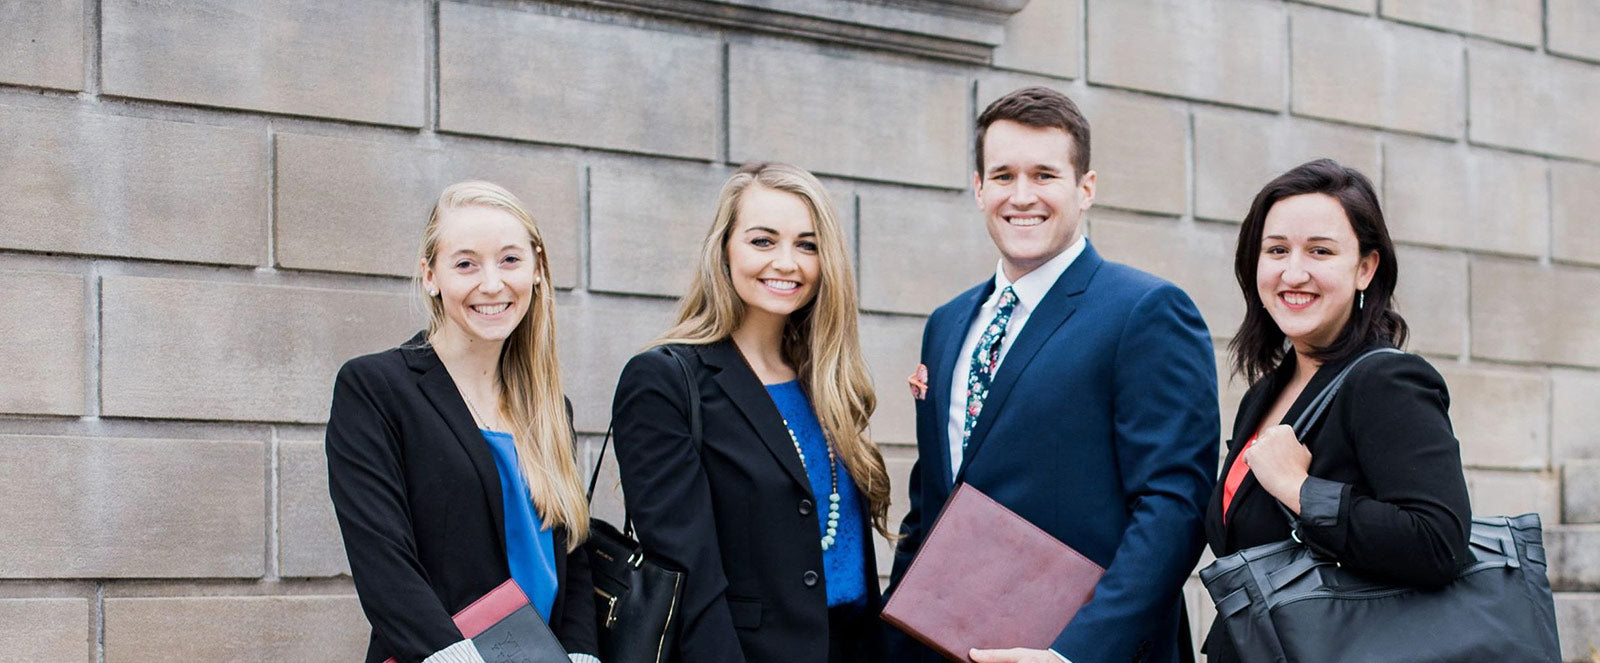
point(531, 398)
point(820, 340)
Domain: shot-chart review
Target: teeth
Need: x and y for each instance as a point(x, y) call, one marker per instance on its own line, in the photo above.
point(1297, 298)
point(1026, 221)
point(780, 285)
point(491, 309)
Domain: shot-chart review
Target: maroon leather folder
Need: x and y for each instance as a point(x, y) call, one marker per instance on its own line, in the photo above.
point(987, 578)
point(505, 628)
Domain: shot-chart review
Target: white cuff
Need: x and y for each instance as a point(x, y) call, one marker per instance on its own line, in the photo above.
point(582, 658)
point(1063, 658)
point(460, 652)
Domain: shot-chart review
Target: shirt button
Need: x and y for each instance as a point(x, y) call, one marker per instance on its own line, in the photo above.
point(810, 578)
point(805, 507)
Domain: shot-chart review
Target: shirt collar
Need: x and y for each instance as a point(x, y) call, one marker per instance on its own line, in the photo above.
point(1034, 285)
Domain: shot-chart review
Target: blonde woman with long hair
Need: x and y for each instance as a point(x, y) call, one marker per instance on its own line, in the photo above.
point(450, 458)
point(770, 512)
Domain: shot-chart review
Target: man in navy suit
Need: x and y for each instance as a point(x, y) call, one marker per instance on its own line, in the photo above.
point(1078, 392)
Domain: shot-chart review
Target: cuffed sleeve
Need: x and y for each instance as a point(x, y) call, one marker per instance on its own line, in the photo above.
point(1058, 655)
point(460, 652)
point(1321, 501)
point(582, 658)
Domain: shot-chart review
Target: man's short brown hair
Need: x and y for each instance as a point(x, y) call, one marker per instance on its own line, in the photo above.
point(1044, 108)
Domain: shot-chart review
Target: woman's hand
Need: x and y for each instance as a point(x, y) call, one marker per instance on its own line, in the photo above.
point(1280, 462)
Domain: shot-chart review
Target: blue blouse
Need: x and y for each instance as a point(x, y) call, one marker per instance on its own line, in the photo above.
point(843, 563)
point(530, 547)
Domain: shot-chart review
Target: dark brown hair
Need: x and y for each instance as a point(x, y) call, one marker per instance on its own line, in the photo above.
point(1039, 107)
point(1259, 346)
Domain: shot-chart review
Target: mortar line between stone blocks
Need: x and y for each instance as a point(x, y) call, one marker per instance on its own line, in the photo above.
point(1549, 215)
point(272, 194)
point(94, 323)
point(1466, 93)
point(1191, 163)
point(430, 58)
point(100, 622)
point(1083, 44)
point(585, 222)
point(1288, 61)
point(274, 474)
point(91, 48)
point(725, 141)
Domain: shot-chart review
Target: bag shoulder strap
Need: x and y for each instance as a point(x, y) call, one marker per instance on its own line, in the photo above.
point(692, 389)
point(1314, 412)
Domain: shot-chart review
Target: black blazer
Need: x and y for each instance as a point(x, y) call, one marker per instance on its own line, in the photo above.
point(417, 494)
point(1386, 496)
point(737, 513)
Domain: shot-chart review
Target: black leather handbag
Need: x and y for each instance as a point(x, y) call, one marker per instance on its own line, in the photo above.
point(636, 598)
point(1283, 604)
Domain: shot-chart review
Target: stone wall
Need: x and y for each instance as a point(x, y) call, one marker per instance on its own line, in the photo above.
point(207, 206)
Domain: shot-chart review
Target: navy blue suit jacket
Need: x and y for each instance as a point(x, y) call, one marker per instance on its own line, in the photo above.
point(1101, 428)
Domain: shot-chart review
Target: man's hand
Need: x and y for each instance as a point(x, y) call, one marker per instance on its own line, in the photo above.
point(1017, 655)
point(1280, 462)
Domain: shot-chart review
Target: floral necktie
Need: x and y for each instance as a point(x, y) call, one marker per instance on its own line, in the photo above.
point(985, 359)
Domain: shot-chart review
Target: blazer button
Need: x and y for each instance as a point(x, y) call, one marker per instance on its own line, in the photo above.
point(810, 578)
point(805, 507)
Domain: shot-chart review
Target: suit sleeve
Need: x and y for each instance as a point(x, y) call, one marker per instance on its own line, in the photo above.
point(669, 498)
point(366, 482)
point(577, 630)
point(1413, 526)
point(1164, 395)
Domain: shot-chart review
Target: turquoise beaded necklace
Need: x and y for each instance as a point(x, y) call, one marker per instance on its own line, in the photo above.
point(833, 479)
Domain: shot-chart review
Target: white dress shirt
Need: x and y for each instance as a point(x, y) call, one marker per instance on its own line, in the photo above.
point(1030, 289)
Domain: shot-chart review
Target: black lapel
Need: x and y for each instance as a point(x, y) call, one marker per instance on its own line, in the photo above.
point(436, 384)
point(949, 346)
point(1058, 305)
point(742, 386)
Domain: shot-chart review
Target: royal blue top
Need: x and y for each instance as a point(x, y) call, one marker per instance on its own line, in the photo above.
point(844, 563)
point(530, 547)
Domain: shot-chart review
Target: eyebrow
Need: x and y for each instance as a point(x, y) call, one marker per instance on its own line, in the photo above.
point(1317, 238)
point(1006, 166)
point(765, 229)
point(473, 253)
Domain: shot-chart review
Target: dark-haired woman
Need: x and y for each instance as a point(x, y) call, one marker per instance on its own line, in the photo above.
point(1377, 486)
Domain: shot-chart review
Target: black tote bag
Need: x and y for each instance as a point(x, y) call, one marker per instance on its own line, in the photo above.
point(636, 598)
point(1282, 604)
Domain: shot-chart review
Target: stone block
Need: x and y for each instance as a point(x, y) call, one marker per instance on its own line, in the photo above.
point(132, 508)
point(647, 225)
point(1578, 625)
point(1187, 49)
point(42, 319)
point(1196, 257)
point(598, 85)
point(1574, 29)
point(1138, 144)
point(1514, 21)
point(1574, 199)
point(1499, 415)
point(862, 117)
point(1574, 553)
point(1502, 493)
point(1450, 195)
point(1358, 6)
point(43, 42)
point(235, 628)
point(1374, 73)
point(309, 543)
point(360, 206)
point(1522, 311)
point(1524, 100)
point(1432, 295)
point(78, 182)
point(891, 346)
point(597, 336)
point(1045, 38)
point(1580, 491)
point(1236, 154)
point(1575, 421)
point(45, 629)
point(203, 350)
point(920, 248)
point(360, 60)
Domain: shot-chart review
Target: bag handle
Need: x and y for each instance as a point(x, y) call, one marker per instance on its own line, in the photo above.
point(693, 389)
point(1313, 414)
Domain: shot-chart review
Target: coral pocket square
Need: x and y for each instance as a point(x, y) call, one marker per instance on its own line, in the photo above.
point(919, 382)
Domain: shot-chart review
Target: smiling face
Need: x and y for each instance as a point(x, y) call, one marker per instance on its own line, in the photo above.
point(1310, 268)
point(772, 253)
point(484, 271)
point(1029, 194)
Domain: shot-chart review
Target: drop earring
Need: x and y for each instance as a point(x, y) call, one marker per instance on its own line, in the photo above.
point(1361, 299)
